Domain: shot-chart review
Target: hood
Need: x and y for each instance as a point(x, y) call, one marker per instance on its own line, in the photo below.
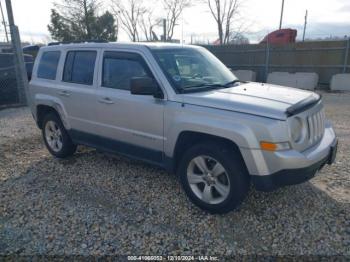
point(253, 98)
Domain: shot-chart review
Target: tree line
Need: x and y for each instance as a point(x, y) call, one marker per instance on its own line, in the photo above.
point(81, 20)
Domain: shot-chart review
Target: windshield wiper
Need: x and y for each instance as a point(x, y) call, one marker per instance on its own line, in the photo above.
point(229, 84)
point(200, 87)
point(205, 85)
point(208, 86)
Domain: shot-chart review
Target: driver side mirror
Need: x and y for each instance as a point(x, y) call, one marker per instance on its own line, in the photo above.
point(145, 86)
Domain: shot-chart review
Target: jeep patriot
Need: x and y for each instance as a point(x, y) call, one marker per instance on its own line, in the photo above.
point(180, 108)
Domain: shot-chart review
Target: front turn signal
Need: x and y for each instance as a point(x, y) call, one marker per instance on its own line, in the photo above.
point(269, 146)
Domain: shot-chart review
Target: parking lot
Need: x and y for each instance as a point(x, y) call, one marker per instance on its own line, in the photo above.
point(99, 204)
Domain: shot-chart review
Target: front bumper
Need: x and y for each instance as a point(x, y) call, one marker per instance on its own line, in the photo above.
point(296, 167)
point(293, 176)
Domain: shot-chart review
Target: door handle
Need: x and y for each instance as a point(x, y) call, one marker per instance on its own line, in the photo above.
point(106, 100)
point(64, 93)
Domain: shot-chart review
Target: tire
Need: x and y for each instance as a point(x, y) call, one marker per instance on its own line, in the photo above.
point(56, 137)
point(222, 189)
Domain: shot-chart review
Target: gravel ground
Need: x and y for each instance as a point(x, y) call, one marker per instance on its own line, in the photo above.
point(95, 204)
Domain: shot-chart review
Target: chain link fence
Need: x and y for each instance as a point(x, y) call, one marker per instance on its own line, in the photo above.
point(13, 69)
point(326, 58)
point(9, 82)
point(8, 77)
point(8, 86)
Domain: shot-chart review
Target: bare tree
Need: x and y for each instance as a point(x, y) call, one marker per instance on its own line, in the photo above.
point(239, 30)
point(238, 38)
point(129, 13)
point(147, 24)
point(224, 12)
point(174, 9)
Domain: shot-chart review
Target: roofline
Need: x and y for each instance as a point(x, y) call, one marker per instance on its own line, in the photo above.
point(149, 45)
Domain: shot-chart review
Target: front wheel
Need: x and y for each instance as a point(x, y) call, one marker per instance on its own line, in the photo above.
point(214, 177)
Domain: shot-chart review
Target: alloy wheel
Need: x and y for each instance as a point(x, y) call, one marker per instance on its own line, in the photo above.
point(53, 136)
point(208, 179)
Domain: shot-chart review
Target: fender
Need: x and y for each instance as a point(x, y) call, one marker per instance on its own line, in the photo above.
point(242, 135)
point(55, 103)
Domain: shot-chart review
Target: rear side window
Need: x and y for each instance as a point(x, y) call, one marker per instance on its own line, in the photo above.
point(119, 68)
point(48, 65)
point(79, 67)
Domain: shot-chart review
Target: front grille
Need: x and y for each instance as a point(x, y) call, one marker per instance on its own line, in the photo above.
point(316, 126)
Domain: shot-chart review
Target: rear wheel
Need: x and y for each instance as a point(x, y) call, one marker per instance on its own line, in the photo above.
point(56, 137)
point(214, 177)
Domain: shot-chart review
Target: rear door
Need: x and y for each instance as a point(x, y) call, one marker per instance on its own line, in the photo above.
point(77, 88)
point(133, 122)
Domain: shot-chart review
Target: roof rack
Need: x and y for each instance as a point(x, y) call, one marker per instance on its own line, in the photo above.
point(77, 42)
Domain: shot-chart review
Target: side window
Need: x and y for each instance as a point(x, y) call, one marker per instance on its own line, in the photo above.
point(48, 65)
point(119, 68)
point(79, 67)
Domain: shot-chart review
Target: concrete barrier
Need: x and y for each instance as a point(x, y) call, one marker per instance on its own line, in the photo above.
point(299, 80)
point(306, 80)
point(281, 78)
point(245, 75)
point(340, 82)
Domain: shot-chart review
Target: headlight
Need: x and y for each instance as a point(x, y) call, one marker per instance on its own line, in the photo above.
point(297, 129)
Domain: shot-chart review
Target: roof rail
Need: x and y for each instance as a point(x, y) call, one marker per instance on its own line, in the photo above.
point(77, 42)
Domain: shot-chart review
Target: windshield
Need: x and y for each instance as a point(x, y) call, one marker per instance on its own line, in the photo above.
point(193, 69)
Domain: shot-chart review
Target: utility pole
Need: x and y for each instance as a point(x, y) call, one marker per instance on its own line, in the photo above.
point(4, 23)
point(282, 8)
point(164, 30)
point(21, 75)
point(182, 30)
point(305, 26)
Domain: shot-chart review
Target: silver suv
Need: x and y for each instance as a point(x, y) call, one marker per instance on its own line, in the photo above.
point(180, 108)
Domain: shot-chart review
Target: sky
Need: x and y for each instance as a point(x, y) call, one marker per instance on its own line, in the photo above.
point(326, 18)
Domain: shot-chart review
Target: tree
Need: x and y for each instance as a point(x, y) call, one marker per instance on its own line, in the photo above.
point(130, 13)
point(59, 28)
point(224, 12)
point(106, 27)
point(77, 20)
point(237, 38)
point(147, 24)
point(174, 9)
